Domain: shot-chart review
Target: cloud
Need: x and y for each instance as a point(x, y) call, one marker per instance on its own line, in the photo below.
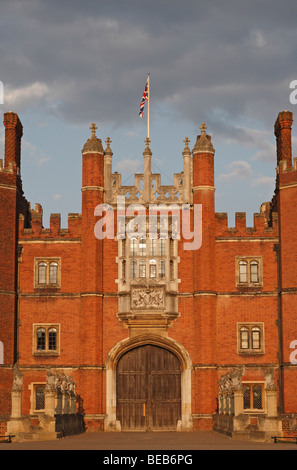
point(35, 156)
point(128, 166)
point(91, 58)
point(263, 181)
point(238, 170)
point(25, 96)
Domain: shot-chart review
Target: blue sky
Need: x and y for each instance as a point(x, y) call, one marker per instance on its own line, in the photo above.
point(67, 64)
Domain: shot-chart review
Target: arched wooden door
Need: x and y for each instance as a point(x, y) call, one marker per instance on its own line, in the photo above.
point(148, 389)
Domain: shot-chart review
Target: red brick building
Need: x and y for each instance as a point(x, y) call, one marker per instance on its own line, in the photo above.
point(144, 332)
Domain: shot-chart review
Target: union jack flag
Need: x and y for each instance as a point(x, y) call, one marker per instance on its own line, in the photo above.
point(145, 98)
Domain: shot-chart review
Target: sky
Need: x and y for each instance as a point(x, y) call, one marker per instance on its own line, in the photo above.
point(68, 63)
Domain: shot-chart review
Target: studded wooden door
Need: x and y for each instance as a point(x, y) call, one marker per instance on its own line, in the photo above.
point(148, 389)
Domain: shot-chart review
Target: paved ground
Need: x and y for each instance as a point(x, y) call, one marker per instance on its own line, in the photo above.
point(147, 441)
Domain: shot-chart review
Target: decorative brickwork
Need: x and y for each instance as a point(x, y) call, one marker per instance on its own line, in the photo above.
point(189, 302)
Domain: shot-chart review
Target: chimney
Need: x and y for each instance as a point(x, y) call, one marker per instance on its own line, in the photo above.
point(13, 135)
point(282, 131)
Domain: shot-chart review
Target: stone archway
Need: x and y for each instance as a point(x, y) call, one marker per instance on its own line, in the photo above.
point(111, 421)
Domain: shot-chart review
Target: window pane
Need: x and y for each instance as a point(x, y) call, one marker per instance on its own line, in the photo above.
point(171, 270)
point(246, 398)
point(162, 247)
point(153, 268)
point(142, 247)
point(41, 339)
point(124, 270)
point(244, 338)
point(39, 398)
point(254, 271)
point(42, 273)
point(52, 339)
point(256, 344)
point(161, 268)
point(242, 271)
point(133, 268)
point(133, 246)
point(53, 273)
point(142, 268)
point(257, 397)
point(153, 247)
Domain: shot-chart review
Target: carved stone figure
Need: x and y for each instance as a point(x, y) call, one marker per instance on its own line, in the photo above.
point(17, 379)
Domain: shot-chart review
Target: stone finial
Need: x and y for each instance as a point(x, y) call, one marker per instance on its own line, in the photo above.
point(203, 142)
point(108, 150)
point(93, 144)
point(187, 151)
point(147, 150)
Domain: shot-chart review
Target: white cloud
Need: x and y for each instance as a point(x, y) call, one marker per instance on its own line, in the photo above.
point(25, 96)
point(127, 166)
point(263, 181)
point(238, 169)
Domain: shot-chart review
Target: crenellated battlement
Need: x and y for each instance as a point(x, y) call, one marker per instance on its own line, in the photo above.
point(54, 231)
point(262, 226)
point(286, 174)
point(10, 169)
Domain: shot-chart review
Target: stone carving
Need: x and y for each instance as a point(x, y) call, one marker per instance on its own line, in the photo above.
point(235, 376)
point(55, 381)
point(17, 379)
point(143, 298)
point(269, 380)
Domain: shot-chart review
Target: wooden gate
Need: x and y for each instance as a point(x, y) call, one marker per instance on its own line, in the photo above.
point(148, 389)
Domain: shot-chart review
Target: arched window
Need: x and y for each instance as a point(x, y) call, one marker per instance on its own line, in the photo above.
point(161, 268)
point(244, 338)
point(41, 339)
point(256, 338)
point(162, 247)
point(42, 269)
point(142, 247)
point(153, 268)
point(133, 269)
point(52, 339)
point(254, 271)
point(142, 268)
point(153, 246)
point(53, 273)
point(133, 247)
point(243, 272)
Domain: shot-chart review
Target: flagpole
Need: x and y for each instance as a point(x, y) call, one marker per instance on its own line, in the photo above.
point(148, 107)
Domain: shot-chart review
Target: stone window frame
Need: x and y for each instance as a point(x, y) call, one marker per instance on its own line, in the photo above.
point(33, 388)
point(250, 351)
point(46, 351)
point(48, 261)
point(249, 260)
point(252, 385)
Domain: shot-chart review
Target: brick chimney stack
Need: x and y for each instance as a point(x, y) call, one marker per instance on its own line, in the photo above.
point(13, 136)
point(282, 131)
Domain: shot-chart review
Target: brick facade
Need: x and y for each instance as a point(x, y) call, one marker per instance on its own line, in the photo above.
point(206, 302)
